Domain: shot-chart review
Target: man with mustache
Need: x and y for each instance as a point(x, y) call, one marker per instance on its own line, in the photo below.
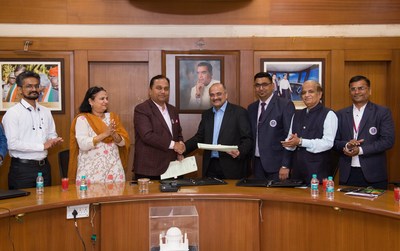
point(199, 98)
point(225, 124)
point(365, 133)
point(311, 136)
point(30, 131)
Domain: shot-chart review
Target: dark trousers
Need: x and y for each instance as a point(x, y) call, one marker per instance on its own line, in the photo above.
point(23, 173)
point(260, 173)
point(214, 169)
point(357, 179)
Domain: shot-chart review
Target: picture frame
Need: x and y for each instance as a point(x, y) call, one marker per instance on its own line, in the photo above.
point(203, 71)
point(51, 89)
point(296, 72)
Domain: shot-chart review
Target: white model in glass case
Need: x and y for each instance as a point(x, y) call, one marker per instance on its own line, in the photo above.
point(174, 240)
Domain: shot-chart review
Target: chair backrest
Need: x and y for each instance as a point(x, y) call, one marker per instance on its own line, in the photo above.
point(63, 160)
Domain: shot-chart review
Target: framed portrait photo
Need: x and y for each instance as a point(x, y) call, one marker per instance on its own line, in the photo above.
point(289, 75)
point(51, 82)
point(194, 77)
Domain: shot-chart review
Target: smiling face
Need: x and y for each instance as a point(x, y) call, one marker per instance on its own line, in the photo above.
point(159, 92)
point(310, 94)
point(264, 88)
point(218, 95)
point(30, 88)
point(99, 103)
point(360, 92)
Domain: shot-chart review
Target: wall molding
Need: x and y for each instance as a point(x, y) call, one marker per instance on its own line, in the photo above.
point(197, 31)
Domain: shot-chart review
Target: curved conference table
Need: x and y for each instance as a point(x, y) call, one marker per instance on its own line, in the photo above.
point(230, 218)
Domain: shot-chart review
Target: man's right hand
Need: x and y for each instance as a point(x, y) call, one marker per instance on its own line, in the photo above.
point(199, 89)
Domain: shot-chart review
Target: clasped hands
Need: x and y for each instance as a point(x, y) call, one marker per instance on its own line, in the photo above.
point(352, 148)
point(179, 147)
point(292, 141)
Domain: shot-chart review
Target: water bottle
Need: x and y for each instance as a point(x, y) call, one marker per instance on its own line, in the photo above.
point(39, 184)
point(314, 186)
point(83, 187)
point(330, 189)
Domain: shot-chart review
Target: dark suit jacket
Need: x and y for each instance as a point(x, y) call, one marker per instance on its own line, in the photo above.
point(272, 130)
point(377, 130)
point(235, 130)
point(152, 138)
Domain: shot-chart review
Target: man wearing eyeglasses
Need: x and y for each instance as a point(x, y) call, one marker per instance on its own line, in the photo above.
point(311, 136)
point(365, 132)
point(30, 131)
point(224, 124)
point(270, 118)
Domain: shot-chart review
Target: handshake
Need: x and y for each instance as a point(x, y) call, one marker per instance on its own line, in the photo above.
point(179, 147)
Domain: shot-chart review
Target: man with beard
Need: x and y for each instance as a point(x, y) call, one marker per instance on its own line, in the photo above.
point(30, 131)
point(225, 124)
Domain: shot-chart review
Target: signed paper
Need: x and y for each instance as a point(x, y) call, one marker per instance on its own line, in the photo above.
point(178, 168)
point(221, 148)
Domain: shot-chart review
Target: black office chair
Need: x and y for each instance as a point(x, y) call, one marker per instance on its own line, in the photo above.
point(63, 160)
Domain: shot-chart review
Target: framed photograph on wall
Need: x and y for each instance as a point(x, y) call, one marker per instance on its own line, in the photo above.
point(194, 77)
point(288, 76)
point(51, 82)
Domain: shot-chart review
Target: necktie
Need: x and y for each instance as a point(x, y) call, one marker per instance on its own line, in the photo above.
point(262, 114)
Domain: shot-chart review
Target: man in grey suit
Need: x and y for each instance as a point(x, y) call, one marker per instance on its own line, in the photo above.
point(225, 124)
point(365, 133)
point(270, 118)
point(158, 132)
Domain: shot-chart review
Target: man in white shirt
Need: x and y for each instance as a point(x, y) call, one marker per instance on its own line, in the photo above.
point(365, 133)
point(311, 136)
point(199, 97)
point(30, 131)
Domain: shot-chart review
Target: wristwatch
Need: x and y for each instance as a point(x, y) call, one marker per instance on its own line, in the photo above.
point(300, 142)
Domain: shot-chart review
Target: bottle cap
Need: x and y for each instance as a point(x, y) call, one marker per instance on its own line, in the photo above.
point(39, 173)
point(83, 177)
point(314, 176)
point(330, 178)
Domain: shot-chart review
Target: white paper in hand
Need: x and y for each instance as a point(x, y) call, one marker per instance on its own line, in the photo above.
point(220, 148)
point(178, 168)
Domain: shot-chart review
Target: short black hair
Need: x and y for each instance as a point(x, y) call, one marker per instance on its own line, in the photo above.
point(153, 79)
point(90, 93)
point(26, 74)
point(208, 65)
point(262, 75)
point(358, 78)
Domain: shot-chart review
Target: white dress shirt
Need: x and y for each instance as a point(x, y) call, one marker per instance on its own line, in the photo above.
point(27, 129)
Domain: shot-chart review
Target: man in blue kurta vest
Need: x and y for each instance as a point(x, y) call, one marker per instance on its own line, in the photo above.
point(311, 135)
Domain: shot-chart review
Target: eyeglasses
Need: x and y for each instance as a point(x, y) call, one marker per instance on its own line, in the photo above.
point(30, 87)
point(263, 85)
point(360, 88)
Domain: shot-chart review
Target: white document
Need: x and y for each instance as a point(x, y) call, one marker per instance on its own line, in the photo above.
point(220, 148)
point(177, 168)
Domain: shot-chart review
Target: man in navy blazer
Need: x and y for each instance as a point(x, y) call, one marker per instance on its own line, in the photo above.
point(365, 132)
point(270, 118)
point(158, 132)
point(225, 124)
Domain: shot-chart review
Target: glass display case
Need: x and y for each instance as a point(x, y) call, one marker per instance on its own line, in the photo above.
point(174, 228)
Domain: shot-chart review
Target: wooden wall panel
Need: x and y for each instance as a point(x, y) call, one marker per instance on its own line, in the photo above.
point(292, 12)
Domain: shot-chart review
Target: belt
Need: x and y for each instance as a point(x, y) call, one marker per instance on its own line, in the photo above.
point(30, 161)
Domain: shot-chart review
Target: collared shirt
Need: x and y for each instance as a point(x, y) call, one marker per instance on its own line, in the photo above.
point(167, 119)
point(218, 116)
point(327, 140)
point(257, 151)
point(357, 116)
point(27, 129)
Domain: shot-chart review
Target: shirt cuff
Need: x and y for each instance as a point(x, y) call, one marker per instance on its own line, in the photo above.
point(360, 151)
point(171, 145)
